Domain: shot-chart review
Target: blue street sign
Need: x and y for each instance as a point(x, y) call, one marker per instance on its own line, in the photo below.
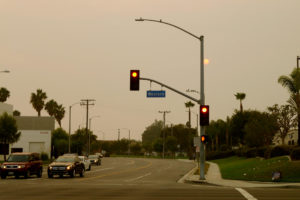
point(156, 93)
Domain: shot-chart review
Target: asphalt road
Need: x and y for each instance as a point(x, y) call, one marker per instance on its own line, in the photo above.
point(133, 178)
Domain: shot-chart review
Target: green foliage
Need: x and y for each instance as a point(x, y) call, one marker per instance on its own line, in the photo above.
point(79, 141)
point(151, 134)
point(295, 155)
point(171, 144)
point(55, 110)
point(158, 145)
point(60, 142)
point(217, 134)
point(280, 151)
point(16, 113)
point(8, 129)
point(44, 156)
point(212, 155)
point(4, 94)
point(38, 100)
point(136, 148)
point(260, 129)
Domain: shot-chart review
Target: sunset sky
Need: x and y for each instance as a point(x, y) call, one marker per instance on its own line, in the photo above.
point(79, 49)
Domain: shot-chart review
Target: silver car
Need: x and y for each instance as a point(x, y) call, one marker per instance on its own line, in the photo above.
point(86, 162)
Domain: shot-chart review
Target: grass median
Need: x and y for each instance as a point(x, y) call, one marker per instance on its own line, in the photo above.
point(259, 169)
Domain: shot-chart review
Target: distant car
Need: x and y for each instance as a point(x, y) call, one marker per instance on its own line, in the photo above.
point(66, 165)
point(22, 164)
point(95, 159)
point(99, 154)
point(86, 162)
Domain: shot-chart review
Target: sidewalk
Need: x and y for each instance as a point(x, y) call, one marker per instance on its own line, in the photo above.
point(213, 177)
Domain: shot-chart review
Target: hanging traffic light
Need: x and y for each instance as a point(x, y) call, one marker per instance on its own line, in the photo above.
point(204, 139)
point(134, 80)
point(204, 115)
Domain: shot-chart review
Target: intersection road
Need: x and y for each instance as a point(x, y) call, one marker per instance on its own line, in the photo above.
point(133, 178)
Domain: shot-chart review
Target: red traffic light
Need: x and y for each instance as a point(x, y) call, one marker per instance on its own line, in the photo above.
point(204, 115)
point(134, 80)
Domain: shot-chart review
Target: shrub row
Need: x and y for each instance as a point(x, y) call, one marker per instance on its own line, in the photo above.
point(265, 152)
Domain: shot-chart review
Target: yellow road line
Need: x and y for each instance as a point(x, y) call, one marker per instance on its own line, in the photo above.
point(116, 173)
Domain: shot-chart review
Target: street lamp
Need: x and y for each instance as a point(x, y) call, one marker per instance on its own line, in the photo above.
point(5, 71)
point(90, 125)
point(70, 107)
point(128, 140)
point(202, 97)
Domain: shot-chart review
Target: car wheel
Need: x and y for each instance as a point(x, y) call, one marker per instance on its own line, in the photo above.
point(72, 173)
point(40, 172)
point(50, 175)
point(27, 174)
point(82, 172)
point(61, 175)
point(3, 176)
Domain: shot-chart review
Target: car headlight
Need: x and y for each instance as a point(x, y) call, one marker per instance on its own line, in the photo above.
point(69, 167)
point(50, 167)
point(3, 166)
point(21, 166)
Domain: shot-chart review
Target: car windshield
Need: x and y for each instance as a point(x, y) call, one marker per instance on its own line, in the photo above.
point(18, 158)
point(81, 158)
point(93, 156)
point(65, 159)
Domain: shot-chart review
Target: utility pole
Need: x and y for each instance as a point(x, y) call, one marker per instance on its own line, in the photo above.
point(298, 58)
point(118, 134)
point(87, 103)
point(164, 121)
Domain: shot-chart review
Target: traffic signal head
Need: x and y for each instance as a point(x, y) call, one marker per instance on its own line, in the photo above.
point(204, 115)
point(134, 79)
point(204, 139)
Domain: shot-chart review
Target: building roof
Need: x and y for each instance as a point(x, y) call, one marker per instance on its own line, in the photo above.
point(35, 123)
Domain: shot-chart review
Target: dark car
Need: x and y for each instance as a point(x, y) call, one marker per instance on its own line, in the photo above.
point(22, 164)
point(66, 165)
point(95, 159)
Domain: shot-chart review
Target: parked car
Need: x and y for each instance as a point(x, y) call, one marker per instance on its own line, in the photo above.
point(95, 159)
point(22, 164)
point(66, 165)
point(86, 162)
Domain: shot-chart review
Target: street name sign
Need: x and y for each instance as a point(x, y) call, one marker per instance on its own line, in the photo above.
point(156, 93)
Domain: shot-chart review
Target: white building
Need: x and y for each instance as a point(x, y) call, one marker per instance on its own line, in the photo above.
point(35, 134)
point(290, 139)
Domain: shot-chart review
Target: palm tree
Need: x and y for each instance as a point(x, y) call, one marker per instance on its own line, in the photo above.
point(4, 94)
point(188, 105)
point(51, 107)
point(292, 83)
point(38, 100)
point(240, 96)
point(59, 114)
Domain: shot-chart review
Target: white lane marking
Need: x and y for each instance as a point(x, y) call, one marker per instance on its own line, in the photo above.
point(134, 179)
point(245, 194)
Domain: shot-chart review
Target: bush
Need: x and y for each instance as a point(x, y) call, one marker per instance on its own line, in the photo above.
point(251, 153)
point(267, 153)
point(260, 151)
point(44, 156)
point(295, 155)
point(280, 151)
point(213, 155)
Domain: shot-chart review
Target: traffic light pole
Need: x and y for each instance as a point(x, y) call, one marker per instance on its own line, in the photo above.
point(170, 88)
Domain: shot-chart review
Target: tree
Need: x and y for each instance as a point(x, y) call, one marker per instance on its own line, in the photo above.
point(16, 113)
point(79, 141)
point(285, 117)
point(59, 141)
point(241, 97)
point(158, 145)
point(8, 130)
point(136, 148)
point(51, 107)
point(4, 94)
point(171, 144)
point(38, 100)
point(217, 132)
point(292, 83)
point(151, 134)
point(189, 105)
point(59, 114)
point(260, 129)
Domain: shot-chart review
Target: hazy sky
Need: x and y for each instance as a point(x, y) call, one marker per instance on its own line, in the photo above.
point(78, 49)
